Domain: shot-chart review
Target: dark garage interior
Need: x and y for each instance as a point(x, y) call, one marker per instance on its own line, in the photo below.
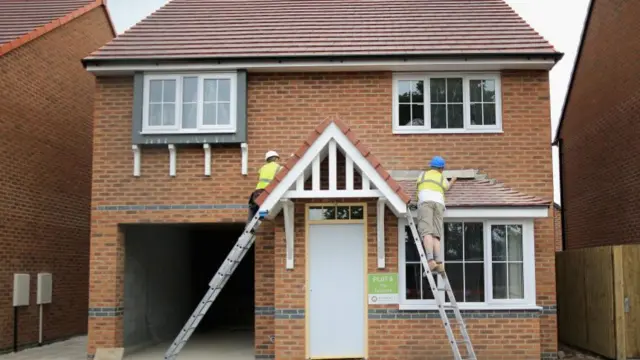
point(167, 272)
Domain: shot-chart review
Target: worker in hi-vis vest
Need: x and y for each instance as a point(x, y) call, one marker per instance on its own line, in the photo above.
point(267, 172)
point(431, 186)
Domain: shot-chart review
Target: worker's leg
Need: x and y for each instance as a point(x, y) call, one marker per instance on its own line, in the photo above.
point(252, 207)
point(425, 227)
point(438, 230)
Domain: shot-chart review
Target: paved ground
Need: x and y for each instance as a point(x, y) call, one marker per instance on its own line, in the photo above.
point(227, 346)
point(73, 349)
point(232, 346)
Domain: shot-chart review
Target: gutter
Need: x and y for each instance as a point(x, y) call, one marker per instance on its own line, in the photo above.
point(335, 59)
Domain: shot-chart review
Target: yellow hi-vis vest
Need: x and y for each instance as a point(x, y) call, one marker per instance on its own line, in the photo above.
point(267, 173)
point(431, 180)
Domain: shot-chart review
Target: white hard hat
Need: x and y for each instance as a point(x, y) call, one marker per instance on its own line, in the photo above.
point(270, 153)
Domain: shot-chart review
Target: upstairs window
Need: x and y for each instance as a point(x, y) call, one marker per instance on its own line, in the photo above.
point(446, 103)
point(189, 103)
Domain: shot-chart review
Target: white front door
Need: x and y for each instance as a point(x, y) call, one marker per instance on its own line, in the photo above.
point(336, 290)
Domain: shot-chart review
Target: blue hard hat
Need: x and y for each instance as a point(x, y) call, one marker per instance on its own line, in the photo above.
point(437, 162)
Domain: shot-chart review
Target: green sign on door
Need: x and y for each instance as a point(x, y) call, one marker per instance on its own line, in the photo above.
point(383, 288)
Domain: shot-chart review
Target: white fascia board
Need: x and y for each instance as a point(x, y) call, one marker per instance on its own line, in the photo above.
point(462, 64)
point(530, 212)
point(333, 132)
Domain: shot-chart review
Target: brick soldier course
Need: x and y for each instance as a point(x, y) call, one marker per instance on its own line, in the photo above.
point(283, 110)
point(46, 106)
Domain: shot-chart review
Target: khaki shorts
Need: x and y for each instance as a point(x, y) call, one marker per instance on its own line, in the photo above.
point(430, 219)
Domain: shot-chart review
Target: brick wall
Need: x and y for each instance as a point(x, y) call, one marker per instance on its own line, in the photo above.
point(46, 104)
point(394, 334)
point(283, 109)
point(557, 227)
point(600, 132)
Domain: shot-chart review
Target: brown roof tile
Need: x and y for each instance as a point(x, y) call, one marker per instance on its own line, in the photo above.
point(287, 28)
point(22, 21)
point(489, 193)
point(314, 136)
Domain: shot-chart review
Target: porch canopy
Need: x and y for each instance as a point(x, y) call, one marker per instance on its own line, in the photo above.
point(332, 163)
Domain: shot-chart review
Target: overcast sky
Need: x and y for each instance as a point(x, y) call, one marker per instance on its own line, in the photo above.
point(559, 21)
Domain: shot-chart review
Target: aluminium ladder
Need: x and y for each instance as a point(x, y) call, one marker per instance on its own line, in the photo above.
point(240, 249)
point(470, 355)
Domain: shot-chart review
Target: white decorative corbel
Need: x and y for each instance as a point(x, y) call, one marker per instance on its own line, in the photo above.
point(207, 159)
point(172, 160)
point(288, 208)
point(382, 203)
point(136, 160)
point(245, 158)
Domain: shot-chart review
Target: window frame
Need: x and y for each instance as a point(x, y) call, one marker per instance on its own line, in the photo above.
point(466, 97)
point(200, 127)
point(528, 249)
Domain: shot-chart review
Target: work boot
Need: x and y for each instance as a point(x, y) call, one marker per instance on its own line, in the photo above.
point(440, 268)
point(432, 267)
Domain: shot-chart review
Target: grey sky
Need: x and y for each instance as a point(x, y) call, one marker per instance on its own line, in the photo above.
point(560, 22)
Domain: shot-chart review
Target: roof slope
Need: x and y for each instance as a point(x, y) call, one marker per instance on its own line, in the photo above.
point(24, 20)
point(364, 150)
point(481, 193)
point(289, 28)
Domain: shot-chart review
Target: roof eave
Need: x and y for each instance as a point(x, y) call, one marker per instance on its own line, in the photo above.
point(97, 61)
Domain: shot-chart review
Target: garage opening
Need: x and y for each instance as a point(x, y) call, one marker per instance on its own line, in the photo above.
point(167, 272)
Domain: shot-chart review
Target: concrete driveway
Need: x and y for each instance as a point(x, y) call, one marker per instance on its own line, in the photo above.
point(72, 349)
point(217, 346)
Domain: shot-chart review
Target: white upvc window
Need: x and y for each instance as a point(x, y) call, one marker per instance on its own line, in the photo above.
point(490, 265)
point(446, 103)
point(189, 103)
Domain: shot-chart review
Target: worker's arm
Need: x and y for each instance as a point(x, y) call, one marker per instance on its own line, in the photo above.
point(451, 182)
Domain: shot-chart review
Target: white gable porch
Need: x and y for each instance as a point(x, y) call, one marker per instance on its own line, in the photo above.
point(332, 168)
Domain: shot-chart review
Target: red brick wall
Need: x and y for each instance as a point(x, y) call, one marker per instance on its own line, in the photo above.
point(557, 227)
point(600, 132)
point(283, 108)
point(46, 104)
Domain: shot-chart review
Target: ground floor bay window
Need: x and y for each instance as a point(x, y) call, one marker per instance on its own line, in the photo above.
point(490, 264)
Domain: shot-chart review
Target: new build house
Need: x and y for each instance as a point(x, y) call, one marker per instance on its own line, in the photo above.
point(46, 112)
point(357, 97)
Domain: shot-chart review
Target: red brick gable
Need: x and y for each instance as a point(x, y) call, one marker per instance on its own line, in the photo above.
point(364, 150)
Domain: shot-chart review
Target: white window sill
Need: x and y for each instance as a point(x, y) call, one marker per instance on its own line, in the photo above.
point(486, 307)
point(446, 131)
point(188, 132)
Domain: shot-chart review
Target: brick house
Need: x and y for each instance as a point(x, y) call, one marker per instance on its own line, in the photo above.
point(190, 99)
point(598, 130)
point(46, 105)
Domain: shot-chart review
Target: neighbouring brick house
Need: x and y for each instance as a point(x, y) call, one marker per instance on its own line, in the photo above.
point(46, 106)
point(191, 98)
point(598, 132)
